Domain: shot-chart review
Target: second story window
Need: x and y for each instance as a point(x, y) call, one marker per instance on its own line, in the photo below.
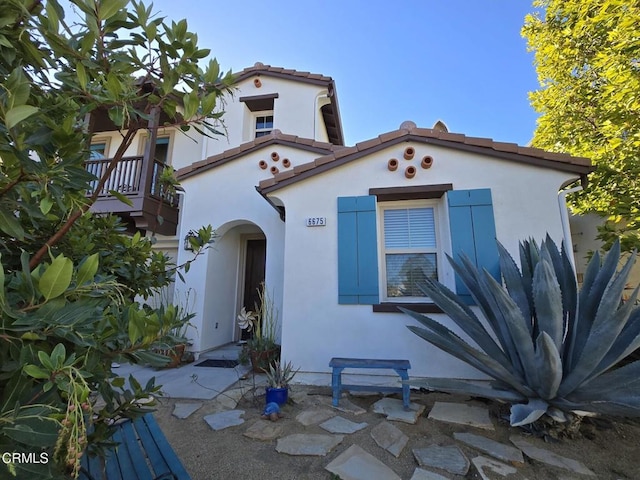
point(97, 150)
point(263, 124)
point(162, 149)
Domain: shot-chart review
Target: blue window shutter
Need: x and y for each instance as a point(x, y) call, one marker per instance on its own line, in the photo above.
point(357, 250)
point(473, 232)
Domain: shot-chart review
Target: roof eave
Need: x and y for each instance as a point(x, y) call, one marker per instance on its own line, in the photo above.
point(393, 138)
point(246, 148)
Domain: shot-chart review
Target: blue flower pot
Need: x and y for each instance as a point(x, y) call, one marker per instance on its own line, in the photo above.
point(277, 395)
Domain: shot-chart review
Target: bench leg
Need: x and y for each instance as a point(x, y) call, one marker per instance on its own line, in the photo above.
point(336, 384)
point(406, 391)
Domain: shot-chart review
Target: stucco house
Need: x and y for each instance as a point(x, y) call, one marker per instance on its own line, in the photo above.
point(341, 235)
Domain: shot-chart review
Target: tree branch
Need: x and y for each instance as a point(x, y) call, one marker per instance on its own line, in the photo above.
point(59, 235)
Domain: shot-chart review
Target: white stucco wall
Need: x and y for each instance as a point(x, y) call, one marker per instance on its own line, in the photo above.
point(226, 198)
point(296, 111)
point(316, 328)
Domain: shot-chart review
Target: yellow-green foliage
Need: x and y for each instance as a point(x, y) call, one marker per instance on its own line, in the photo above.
point(587, 55)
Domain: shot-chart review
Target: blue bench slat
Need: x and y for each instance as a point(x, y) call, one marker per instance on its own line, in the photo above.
point(150, 445)
point(168, 454)
point(93, 466)
point(370, 388)
point(143, 453)
point(340, 362)
point(119, 464)
point(136, 454)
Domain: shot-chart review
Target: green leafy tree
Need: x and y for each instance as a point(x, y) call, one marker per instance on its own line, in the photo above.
point(69, 280)
point(587, 55)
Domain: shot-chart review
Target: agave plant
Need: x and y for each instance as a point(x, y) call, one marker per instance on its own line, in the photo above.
point(549, 348)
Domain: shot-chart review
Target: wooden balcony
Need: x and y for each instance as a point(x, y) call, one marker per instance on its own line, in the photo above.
point(152, 208)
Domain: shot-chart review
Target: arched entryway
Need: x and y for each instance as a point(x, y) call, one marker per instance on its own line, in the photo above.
point(235, 269)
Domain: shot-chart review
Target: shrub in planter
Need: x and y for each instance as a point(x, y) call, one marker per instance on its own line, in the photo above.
point(278, 377)
point(261, 323)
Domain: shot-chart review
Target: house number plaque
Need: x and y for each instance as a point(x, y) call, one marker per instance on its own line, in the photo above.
point(316, 221)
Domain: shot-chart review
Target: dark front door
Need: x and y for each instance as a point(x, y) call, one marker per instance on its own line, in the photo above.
point(255, 257)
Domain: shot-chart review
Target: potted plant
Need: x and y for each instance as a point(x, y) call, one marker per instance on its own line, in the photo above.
point(278, 377)
point(175, 323)
point(262, 346)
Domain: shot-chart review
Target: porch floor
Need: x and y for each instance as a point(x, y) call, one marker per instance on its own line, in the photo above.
point(189, 381)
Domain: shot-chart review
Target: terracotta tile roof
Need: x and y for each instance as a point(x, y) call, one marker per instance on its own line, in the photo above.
point(268, 70)
point(409, 132)
point(275, 138)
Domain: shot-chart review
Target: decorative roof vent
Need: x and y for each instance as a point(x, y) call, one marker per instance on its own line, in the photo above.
point(440, 127)
point(407, 125)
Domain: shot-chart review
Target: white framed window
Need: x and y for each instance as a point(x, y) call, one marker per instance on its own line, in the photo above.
point(164, 146)
point(410, 248)
point(263, 123)
point(99, 148)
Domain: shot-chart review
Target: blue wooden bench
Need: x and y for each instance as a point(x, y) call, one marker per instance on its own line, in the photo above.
point(143, 453)
point(339, 364)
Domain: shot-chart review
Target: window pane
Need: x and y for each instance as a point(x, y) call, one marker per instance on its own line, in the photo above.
point(263, 133)
point(97, 151)
point(268, 121)
point(406, 271)
point(260, 122)
point(409, 228)
point(162, 151)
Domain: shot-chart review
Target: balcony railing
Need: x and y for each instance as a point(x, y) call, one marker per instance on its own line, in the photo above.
point(126, 179)
point(153, 207)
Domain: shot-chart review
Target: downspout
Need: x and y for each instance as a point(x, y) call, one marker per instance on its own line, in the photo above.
point(564, 218)
point(205, 145)
point(317, 114)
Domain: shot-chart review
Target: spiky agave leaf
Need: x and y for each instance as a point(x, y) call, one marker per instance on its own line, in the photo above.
point(487, 304)
point(577, 340)
point(446, 340)
point(467, 387)
point(464, 317)
point(515, 286)
point(511, 316)
point(548, 365)
point(607, 324)
point(628, 340)
point(548, 302)
point(616, 392)
point(596, 279)
point(525, 413)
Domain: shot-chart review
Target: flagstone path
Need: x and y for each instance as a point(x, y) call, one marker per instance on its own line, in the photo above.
point(489, 458)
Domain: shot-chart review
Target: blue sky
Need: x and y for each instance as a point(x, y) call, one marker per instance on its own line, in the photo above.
point(460, 61)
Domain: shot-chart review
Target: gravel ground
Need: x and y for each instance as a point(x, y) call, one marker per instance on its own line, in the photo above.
point(613, 452)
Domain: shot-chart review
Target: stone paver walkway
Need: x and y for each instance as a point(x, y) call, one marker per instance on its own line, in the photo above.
point(395, 411)
point(355, 463)
point(461, 414)
point(308, 444)
point(495, 449)
point(449, 458)
point(222, 420)
point(389, 437)
point(550, 458)
point(342, 425)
